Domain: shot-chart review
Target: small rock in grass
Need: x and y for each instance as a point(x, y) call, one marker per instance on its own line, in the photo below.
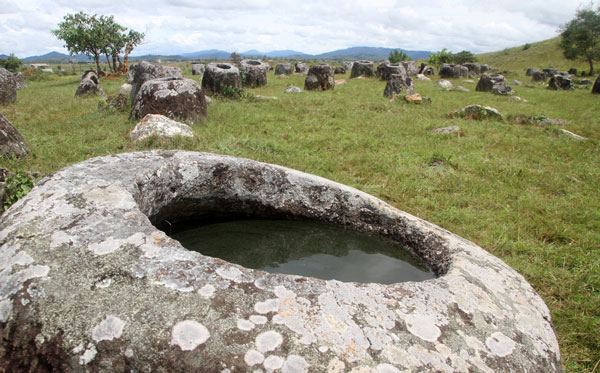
point(161, 126)
point(449, 129)
point(423, 77)
point(292, 89)
point(572, 135)
point(477, 112)
point(461, 89)
point(445, 84)
point(415, 98)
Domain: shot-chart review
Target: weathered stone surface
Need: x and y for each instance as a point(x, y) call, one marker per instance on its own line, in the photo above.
point(538, 76)
point(495, 83)
point(255, 73)
point(445, 84)
point(301, 68)
point(20, 80)
point(572, 135)
point(380, 68)
point(198, 69)
point(453, 71)
point(449, 129)
point(320, 78)
point(143, 71)
point(284, 68)
point(217, 76)
point(178, 99)
point(426, 70)
point(596, 87)
point(560, 82)
point(477, 112)
point(410, 67)
point(530, 71)
point(161, 126)
point(484, 68)
point(293, 89)
point(385, 71)
point(414, 98)
point(8, 87)
point(348, 65)
point(100, 286)
point(362, 68)
point(398, 84)
point(474, 68)
point(339, 70)
point(12, 143)
point(125, 89)
point(111, 103)
point(90, 84)
point(550, 72)
point(423, 77)
point(460, 88)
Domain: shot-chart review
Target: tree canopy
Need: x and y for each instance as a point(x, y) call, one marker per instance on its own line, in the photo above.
point(11, 63)
point(580, 37)
point(398, 56)
point(95, 35)
point(463, 57)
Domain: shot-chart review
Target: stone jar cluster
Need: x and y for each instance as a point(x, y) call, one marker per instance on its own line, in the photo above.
point(157, 89)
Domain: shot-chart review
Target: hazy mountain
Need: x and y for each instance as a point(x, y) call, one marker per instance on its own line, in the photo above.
point(208, 54)
point(4, 56)
point(354, 53)
point(56, 56)
point(370, 53)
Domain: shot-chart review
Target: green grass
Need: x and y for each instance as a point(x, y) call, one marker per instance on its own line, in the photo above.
point(527, 194)
point(541, 55)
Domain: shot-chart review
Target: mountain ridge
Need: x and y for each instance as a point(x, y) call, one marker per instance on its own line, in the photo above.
point(351, 53)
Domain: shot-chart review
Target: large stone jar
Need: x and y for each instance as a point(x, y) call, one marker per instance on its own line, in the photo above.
point(255, 73)
point(217, 76)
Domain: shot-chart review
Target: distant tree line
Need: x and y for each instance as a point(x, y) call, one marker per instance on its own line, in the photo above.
point(96, 36)
point(11, 63)
point(446, 56)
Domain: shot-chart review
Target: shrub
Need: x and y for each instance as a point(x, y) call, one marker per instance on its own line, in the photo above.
point(17, 186)
point(443, 56)
point(463, 57)
point(398, 56)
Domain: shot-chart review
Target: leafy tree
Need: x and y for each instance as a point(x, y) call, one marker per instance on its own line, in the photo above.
point(463, 57)
point(580, 37)
point(83, 33)
point(12, 63)
point(96, 35)
point(443, 56)
point(133, 39)
point(398, 56)
point(235, 57)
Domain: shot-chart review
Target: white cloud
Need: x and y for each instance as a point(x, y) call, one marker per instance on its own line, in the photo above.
point(311, 26)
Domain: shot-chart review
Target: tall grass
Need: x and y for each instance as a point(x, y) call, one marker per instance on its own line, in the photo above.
point(527, 194)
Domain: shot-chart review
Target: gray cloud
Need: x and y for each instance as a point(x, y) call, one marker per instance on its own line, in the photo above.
point(311, 26)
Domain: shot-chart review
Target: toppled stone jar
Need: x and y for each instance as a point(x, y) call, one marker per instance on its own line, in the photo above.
point(88, 282)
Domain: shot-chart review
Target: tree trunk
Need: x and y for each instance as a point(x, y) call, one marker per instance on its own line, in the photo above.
point(128, 49)
point(108, 62)
point(591, 62)
point(97, 59)
point(114, 62)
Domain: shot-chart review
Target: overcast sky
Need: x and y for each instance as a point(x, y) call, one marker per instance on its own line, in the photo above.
point(310, 26)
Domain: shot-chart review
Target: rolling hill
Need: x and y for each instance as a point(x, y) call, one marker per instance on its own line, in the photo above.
point(542, 54)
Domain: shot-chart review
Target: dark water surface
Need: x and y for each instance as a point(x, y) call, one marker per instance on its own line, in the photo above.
point(303, 248)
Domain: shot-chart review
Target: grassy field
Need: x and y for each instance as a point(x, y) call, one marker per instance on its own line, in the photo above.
point(527, 194)
point(542, 55)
